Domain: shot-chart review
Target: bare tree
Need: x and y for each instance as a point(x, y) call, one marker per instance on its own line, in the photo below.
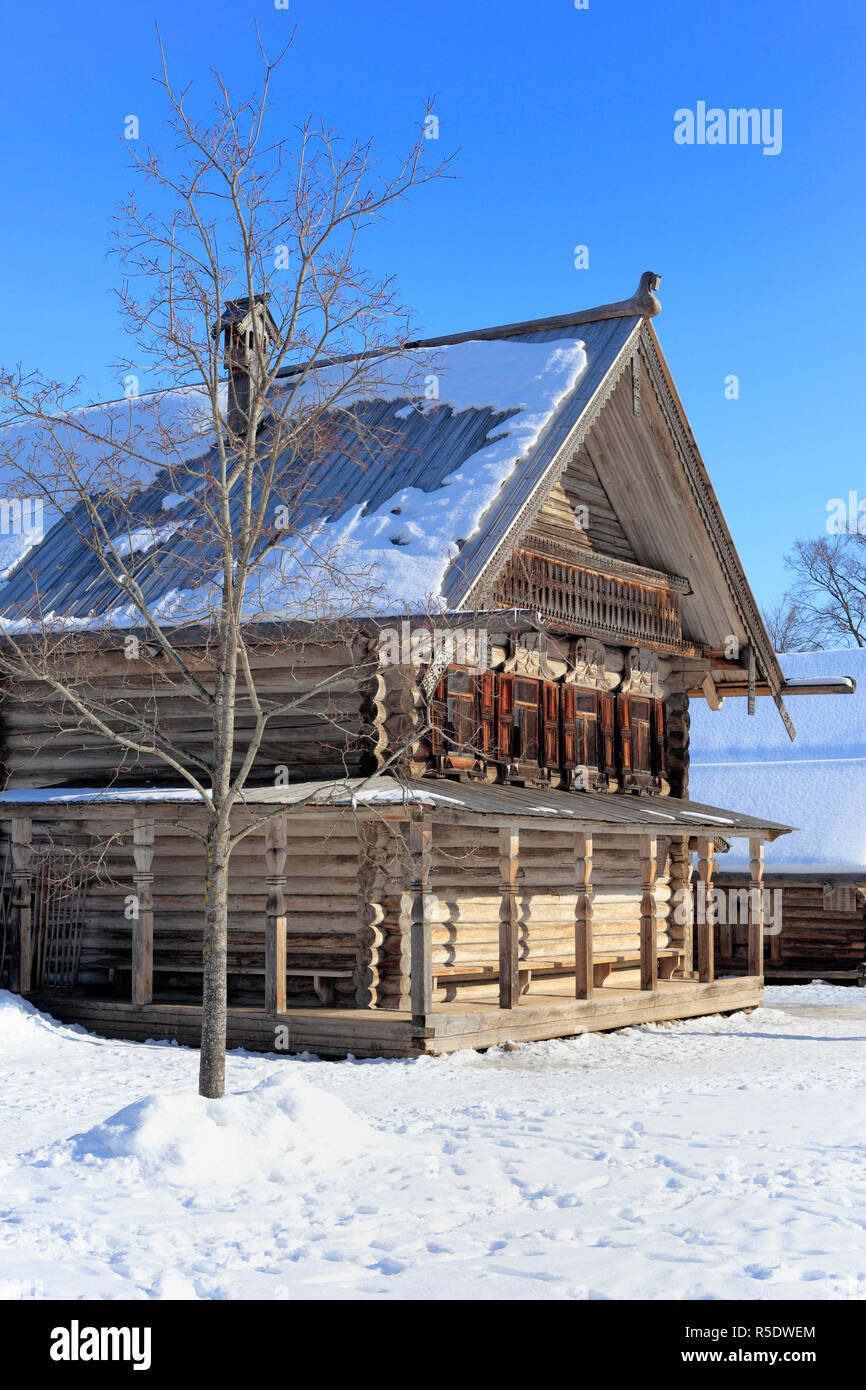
point(248, 250)
point(790, 629)
point(828, 598)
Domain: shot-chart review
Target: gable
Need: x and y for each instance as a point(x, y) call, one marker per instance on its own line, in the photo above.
point(580, 494)
point(630, 457)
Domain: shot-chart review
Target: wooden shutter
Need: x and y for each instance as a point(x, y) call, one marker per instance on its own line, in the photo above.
point(623, 720)
point(570, 756)
point(550, 754)
point(485, 687)
point(461, 711)
point(504, 717)
point(660, 762)
point(641, 715)
point(607, 734)
point(438, 716)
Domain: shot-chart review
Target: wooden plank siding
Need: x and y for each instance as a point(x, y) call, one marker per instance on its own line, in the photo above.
point(815, 940)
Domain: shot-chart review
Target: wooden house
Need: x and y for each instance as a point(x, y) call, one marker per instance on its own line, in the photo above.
point(817, 875)
point(461, 851)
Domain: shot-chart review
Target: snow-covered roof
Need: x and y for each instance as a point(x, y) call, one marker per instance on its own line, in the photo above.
point(817, 784)
point(420, 471)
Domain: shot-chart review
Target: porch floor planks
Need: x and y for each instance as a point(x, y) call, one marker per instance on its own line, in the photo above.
point(336, 1032)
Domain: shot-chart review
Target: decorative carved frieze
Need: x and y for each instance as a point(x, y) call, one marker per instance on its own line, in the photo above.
point(530, 656)
point(588, 662)
point(641, 675)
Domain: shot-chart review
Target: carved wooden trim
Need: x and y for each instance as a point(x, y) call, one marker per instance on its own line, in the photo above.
point(583, 971)
point(143, 831)
point(589, 601)
point(649, 956)
point(529, 657)
point(372, 875)
point(641, 675)
point(610, 565)
point(588, 662)
point(275, 917)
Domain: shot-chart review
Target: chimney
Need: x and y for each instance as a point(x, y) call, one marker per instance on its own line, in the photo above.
point(249, 333)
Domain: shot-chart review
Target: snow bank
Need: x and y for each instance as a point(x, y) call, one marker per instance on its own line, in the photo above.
point(281, 1127)
point(21, 1023)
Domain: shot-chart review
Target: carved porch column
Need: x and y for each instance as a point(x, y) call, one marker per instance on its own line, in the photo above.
point(142, 922)
point(649, 954)
point(275, 917)
point(706, 911)
point(509, 977)
point(421, 938)
point(756, 906)
point(583, 973)
point(22, 924)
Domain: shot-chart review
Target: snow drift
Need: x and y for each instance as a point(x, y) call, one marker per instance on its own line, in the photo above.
point(267, 1134)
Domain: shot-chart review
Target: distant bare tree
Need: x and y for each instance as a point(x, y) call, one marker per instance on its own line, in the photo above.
point(790, 629)
point(828, 598)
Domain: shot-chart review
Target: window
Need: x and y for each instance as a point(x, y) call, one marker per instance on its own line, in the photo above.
point(642, 739)
point(542, 730)
point(525, 739)
point(460, 721)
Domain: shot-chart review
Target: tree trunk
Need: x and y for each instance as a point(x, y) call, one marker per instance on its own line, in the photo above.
point(212, 1067)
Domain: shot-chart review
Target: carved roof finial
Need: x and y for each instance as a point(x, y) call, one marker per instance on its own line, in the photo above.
point(645, 301)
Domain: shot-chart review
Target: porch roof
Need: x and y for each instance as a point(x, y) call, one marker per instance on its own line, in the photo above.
point(464, 802)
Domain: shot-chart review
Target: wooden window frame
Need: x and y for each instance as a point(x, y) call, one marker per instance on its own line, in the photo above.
point(525, 729)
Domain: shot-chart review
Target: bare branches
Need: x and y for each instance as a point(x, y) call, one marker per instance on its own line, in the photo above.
point(181, 521)
point(827, 602)
point(173, 484)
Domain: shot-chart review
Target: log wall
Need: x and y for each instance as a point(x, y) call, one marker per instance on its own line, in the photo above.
point(349, 906)
point(45, 743)
point(812, 935)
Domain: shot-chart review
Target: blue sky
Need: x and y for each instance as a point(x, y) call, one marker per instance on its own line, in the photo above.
point(564, 122)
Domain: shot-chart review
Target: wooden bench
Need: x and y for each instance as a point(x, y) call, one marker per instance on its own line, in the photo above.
point(669, 958)
point(323, 981)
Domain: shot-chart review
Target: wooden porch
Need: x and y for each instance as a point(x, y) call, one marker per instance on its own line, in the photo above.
point(532, 944)
point(336, 1032)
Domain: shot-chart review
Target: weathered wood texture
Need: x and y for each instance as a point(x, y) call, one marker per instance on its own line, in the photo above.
point(467, 902)
point(821, 932)
point(44, 743)
point(374, 1033)
point(322, 897)
point(350, 906)
point(142, 921)
point(705, 915)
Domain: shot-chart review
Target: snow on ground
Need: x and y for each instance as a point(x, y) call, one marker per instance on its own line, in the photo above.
point(715, 1158)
